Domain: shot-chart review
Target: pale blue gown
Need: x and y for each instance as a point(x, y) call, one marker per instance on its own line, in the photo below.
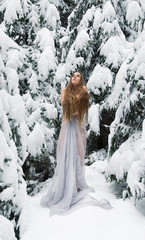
point(68, 185)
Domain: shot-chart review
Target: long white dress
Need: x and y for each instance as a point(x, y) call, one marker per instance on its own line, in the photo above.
point(68, 184)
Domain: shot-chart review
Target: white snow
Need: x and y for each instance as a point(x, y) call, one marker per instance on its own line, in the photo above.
point(127, 159)
point(93, 118)
point(139, 41)
point(142, 2)
point(70, 60)
point(36, 140)
point(4, 149)
point(13, 79)
point(15, 59)
point(31, 105)
point(49, 137)
point(6, 42)
point(134, 13)
point(120, 84)
point(143, 144)
point(34, 117)
point(51, 111)
point(108, 28)
point(25, 5)
point(17, 108)
point(81, 40)
point(88, 16)
point(136, 176)
point(8, 162)
point(44, 4)
point(100, 78)
point(33, 82)
point(55, 2)
point(60, 73)
point(1, 64)
point(13, 9)
point(80, 44)
point(7, 229)
point(84, 221)
point(23, 132)
point(19, 113)
point(50, 13)
point(97, 20)
point(33, 17)
point(108, 12)
point(140, 73)
point(120, 162)
point(135, 173)
point(46, 62)
point(52, 16)
point(138, 59)
point(7, 194)
point(44, 39)
point(114, 51)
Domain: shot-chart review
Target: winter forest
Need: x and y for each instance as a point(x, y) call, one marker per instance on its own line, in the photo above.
point(41, 43)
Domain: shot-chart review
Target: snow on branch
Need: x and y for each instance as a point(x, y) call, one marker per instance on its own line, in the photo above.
point(100, 79)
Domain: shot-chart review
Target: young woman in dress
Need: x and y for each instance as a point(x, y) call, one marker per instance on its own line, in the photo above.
point(69, 184)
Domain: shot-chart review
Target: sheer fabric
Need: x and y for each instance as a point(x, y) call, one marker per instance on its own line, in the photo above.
point(68, 184)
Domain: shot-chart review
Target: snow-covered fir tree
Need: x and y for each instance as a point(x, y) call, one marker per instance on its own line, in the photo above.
point(41, 44)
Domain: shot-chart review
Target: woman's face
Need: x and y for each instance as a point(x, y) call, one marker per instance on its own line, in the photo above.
point(75, 79)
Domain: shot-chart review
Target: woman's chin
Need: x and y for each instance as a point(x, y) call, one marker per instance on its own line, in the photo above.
point(74, 84)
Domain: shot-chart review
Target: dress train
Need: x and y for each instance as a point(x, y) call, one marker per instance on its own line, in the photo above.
point(68, 185)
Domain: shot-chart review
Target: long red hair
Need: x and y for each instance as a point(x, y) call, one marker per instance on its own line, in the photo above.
point(76, 99)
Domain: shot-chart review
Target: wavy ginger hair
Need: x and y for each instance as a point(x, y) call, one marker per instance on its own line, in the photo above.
point(76, 99)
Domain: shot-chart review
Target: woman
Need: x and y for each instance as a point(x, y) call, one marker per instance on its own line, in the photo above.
point(69, 184)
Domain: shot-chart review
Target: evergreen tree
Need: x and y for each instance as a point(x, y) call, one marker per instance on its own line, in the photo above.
point(42, 43)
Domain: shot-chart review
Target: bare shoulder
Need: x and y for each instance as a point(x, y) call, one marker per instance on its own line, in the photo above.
point(85, 88)
point(63, 90)
point(62, 95)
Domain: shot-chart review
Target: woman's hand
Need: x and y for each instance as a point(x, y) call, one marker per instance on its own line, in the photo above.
point(85, 88)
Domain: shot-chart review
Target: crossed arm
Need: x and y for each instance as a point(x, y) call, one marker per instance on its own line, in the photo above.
point(63, 93)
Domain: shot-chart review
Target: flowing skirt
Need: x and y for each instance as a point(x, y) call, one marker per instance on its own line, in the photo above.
point(68, 184)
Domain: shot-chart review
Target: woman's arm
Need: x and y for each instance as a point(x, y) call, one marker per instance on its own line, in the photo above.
point(62, 95)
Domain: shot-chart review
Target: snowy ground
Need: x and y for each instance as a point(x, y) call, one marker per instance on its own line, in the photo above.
point(123, 221)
